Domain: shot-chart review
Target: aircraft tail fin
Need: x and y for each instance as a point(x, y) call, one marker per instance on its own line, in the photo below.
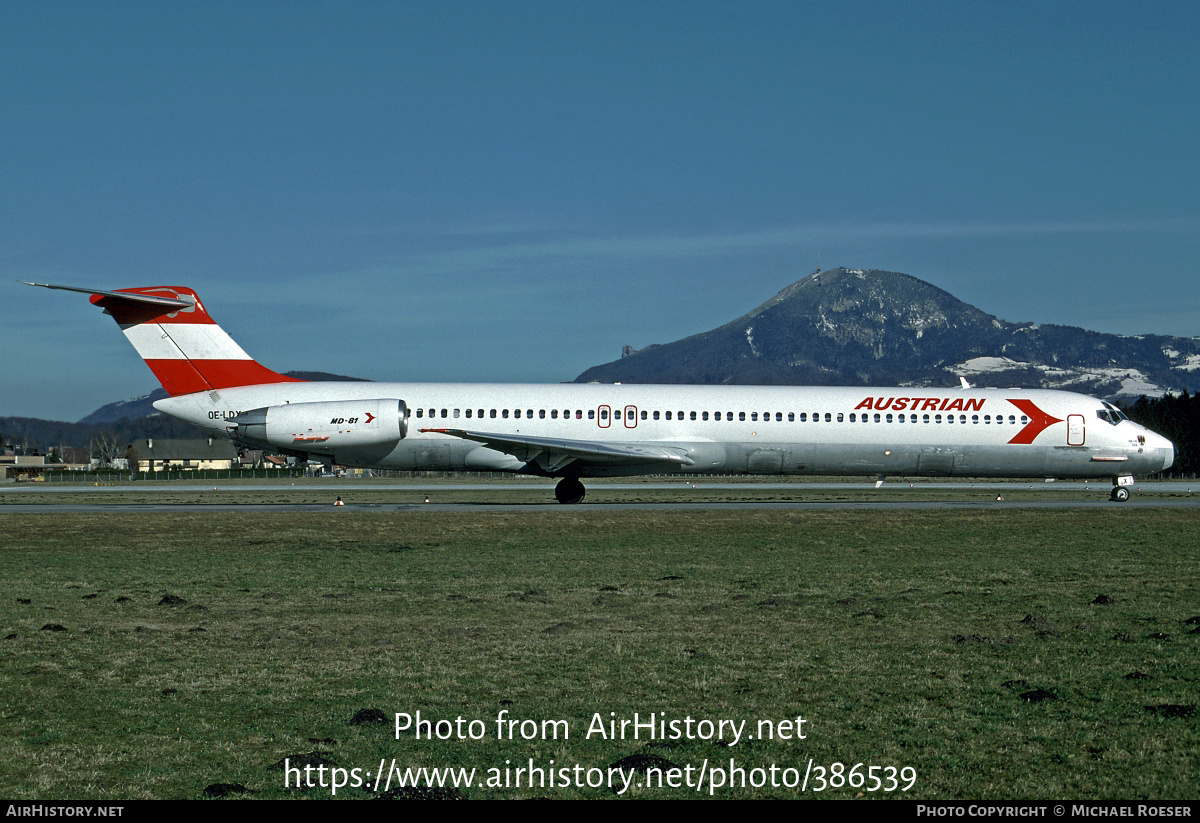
point(187, 351)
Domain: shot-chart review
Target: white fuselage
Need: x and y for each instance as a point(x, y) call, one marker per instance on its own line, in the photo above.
point(725, 429)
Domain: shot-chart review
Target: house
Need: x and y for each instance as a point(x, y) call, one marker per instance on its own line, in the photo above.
point(158, 454)
point(21, 466)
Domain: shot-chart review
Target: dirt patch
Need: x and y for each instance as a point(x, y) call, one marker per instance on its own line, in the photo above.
point(641, 762)
point(225, 789)
point(369, 717)
point(1172, 710)
point(302, 761)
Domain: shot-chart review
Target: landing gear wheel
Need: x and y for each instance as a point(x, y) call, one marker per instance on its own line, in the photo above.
point(569, 490)
point(1119, 494)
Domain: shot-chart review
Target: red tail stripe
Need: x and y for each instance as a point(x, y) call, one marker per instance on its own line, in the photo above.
point(187, 376)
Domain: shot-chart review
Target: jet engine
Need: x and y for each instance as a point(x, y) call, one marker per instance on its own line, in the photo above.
point(324, 426)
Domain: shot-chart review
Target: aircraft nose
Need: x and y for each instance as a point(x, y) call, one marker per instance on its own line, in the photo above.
point(1168, 454)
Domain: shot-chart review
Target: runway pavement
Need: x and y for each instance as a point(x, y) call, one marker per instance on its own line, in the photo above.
point(1057, 496)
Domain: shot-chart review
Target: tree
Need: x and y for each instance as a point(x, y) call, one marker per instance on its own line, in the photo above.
point(1177, 418)
point(106, 447)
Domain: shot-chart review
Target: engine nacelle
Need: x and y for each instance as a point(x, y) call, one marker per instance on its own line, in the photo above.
point(323, 427)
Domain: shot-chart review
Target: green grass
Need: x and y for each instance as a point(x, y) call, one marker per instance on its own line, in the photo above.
point(898, 636)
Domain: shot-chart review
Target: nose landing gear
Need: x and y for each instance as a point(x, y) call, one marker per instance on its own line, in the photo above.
point(1120, 489)
point(569, 490)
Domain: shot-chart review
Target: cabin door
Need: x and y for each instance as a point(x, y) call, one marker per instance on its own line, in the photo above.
point(1075, 430)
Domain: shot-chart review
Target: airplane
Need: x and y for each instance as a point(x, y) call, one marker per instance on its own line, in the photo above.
point(572, 431)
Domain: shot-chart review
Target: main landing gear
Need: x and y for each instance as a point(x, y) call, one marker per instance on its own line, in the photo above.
point(569, 490)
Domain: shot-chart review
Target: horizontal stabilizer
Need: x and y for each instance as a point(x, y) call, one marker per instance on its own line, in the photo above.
point(147, 300)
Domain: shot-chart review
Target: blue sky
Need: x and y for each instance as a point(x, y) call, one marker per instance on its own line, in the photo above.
point(513, 190)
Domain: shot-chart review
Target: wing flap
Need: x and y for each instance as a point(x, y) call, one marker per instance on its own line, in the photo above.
point(552, 453)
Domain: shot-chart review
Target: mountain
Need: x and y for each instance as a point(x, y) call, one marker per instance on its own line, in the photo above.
point(849, 327)
point(144, 406)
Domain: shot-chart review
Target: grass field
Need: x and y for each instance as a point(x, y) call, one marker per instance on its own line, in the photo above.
point(967, 645)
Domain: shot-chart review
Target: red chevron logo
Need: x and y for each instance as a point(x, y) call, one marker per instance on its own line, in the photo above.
point(1039, 421)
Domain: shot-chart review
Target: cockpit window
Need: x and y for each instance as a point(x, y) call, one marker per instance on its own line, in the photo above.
point(1111, 414)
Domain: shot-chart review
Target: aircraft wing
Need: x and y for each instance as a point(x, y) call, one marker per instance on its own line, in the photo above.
point(552, 453)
